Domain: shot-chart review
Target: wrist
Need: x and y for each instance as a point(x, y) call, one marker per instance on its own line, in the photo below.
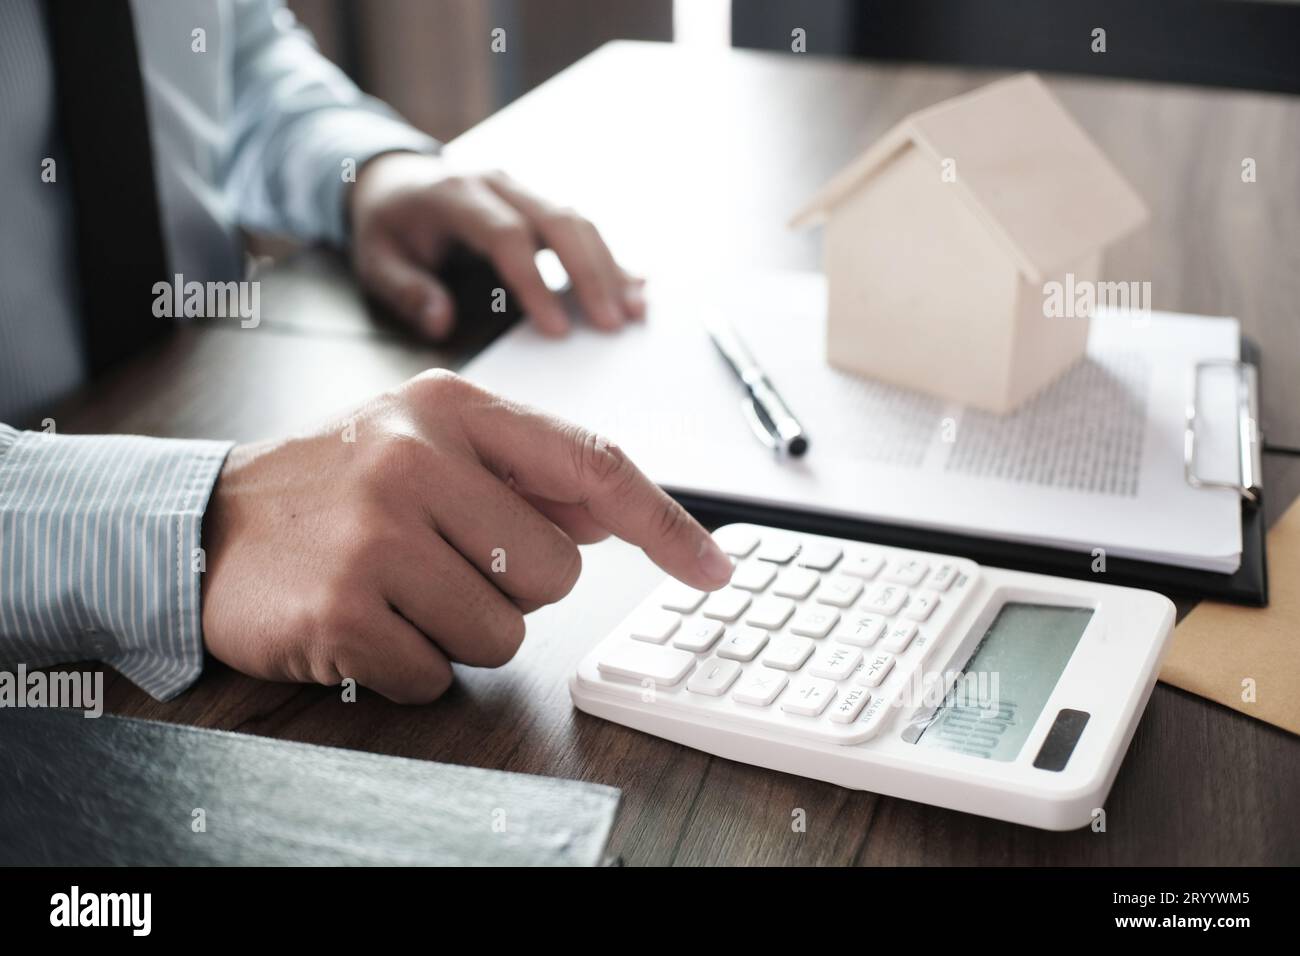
point(384, 173)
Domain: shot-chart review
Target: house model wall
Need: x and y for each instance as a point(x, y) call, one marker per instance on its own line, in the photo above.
point(940, 238)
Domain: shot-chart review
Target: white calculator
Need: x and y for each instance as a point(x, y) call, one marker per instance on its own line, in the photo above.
point(916, 675)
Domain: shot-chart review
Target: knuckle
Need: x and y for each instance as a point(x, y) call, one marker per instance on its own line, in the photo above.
point(507, 237)
point(566, 218)
point(330, 643)
point(598, 459)
point(336, 616)
point(672, 520)
point(438, 381)
point(324, 671)
point(456, 182)
point(398, 457)
point(375, 540)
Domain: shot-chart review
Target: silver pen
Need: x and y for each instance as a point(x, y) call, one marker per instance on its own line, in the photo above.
point(769, 416)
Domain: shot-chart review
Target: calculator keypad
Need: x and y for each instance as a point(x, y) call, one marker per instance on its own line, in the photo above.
point(813, 636)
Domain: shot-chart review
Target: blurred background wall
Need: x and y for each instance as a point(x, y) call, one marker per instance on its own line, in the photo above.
point(433, 59)
point(1253, 44)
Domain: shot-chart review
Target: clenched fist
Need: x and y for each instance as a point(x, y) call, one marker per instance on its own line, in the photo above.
point(422, 540)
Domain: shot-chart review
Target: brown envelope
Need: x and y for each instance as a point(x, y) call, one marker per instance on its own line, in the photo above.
point(1248, 658)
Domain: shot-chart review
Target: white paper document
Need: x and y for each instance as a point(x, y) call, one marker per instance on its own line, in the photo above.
point(1095, 461)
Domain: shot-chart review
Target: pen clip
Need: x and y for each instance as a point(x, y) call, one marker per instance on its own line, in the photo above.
point(749, 408)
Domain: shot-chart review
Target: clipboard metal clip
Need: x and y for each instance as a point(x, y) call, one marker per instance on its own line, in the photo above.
point(1249, 442)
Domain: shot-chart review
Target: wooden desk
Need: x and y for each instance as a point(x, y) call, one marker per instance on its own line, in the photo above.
point(696, 164)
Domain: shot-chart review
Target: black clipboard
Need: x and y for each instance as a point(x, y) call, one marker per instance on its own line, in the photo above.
point(1247, 585)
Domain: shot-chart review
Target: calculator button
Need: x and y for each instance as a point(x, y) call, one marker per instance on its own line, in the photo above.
point(849, 705)
point(808, 697)
point(638, 661)
point(877, 666)
point(726, 605)
point(788, 653)
point(907, 571)
point(840, 591)
point(863, 564)
point(770, 612)
point(655, 625)
point(943, 577)
point(779, 549)
point(924, 643)
point(713, 677)
point(698, 636)
point(836, 662)
point(820, 556)
point(737, 542)
point(862, 630)
point(759, 687)
point(921, 604)
point(814, 621)
point(874, 716)
point(676, 596)
point(753, 576)
point(796, 582)
point(885, 598)
point(742, 643)
point(899, 636)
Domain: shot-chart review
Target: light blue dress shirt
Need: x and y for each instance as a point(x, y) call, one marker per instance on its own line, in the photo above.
point(100, 535)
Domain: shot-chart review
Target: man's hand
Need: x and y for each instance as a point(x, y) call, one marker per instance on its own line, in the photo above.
point(406, 213)
point(422, 541)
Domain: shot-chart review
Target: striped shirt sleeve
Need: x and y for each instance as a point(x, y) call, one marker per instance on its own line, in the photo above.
point(99, 552)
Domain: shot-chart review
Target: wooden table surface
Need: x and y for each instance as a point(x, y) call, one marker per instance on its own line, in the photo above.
point(693, 163)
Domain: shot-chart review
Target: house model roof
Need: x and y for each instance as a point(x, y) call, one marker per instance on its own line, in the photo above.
point(1022, 163)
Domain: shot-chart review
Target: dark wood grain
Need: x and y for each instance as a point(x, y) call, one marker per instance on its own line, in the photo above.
point(268, 803)
point(694, 164)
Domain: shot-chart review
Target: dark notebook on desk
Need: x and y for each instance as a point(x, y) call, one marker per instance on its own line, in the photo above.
point(114, 791)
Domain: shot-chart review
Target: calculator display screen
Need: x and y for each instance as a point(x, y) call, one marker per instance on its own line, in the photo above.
point(1004, 686)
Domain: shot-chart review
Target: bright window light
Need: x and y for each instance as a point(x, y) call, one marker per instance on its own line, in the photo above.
point(702, 23)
